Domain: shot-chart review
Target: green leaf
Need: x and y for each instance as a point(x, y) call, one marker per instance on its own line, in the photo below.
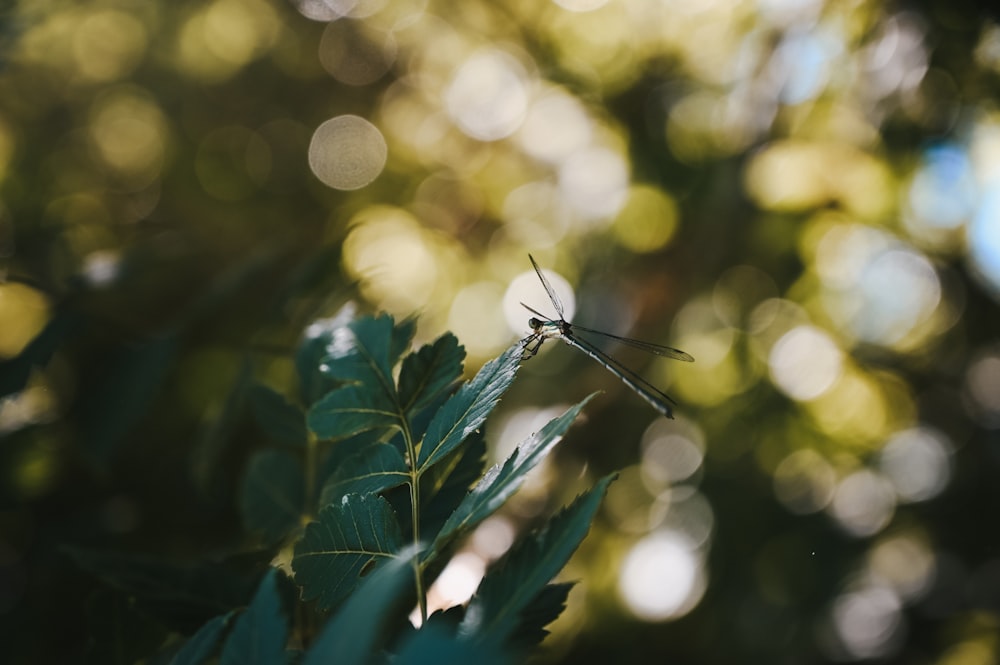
point(131, 379)
point(500, 482)
point(261, 631)
point(509, 587)
point(272, 500)
point(182, 597)
point(367, 357)
point(543, 609)
point(202, 644)
point(217, 432)
point(429, 371)
point(446, 484)
point(342, 546)
point(349, 411)
point(281, 421)
point(350, 637)
point(435, 645)
point(314, 348)
point(468, 408)
point(374, 469)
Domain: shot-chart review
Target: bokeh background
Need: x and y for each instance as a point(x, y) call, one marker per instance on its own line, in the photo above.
point(803, 194)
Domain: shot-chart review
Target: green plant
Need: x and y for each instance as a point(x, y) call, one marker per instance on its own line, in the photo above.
point(363, 497)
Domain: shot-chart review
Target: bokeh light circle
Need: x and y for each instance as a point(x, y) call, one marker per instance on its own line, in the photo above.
point(347, 152)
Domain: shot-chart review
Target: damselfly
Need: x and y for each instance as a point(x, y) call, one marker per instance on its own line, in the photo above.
point(543, 328)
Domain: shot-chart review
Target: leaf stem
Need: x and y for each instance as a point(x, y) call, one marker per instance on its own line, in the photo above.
point(411, 453)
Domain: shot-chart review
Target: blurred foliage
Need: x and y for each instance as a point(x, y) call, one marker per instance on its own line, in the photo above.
point(804, 195)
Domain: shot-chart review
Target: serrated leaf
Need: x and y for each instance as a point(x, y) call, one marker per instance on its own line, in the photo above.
point(318, 338)
point(429, 371)
point(342, 545)
point(366, 356)
point(435, 645)
point(272, 500)
point(350, 637)
point(349, 411)
point(259, 635)
point(376, 468)
point(543, 609)
point(447, 483)
point(281, 421)
point(202, 644)
point(509, 587)
point(467, 409)
point(501, 481)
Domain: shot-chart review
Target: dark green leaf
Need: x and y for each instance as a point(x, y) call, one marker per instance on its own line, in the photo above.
point(349, 411)
point(429, 371)
point(500, 482)
point(365, 356)
point(494, 612)
point(318, 338)
point(182, 597)
point(340, 546)
point(217, 432)
point(374, 469)
point(111, 407)
point(435, 645)
point(543, 609)
point(350, 637)
point(336, 454)
point(273, 494)
point(468, 408)
point(282, 422)
point(446, 484)
point(259, 636)
point(202, 644)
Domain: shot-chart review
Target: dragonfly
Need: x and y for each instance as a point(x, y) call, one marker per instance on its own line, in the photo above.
point(544, 328)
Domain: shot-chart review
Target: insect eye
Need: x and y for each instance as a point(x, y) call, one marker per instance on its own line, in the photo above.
point(533, 322)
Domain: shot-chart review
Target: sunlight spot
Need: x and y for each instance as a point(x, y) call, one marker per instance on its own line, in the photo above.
point(128, 132)
point(918, 463)
point(24, 312)
point(662, 577)
point(493, 537)
point(594, 181)
point(555, 127)
point(982, 385)
point(108, 45)
point(527, 289)
point(101, 267)
point(347, 152)
point(581, 5)
point(648, 220)
point(671, 453)
point(867, 622)
point(805, 363)
point(477, 319)
point(984, 241)
point(456, 583)
point(905, 562)
point(863, 504)
point(488, 96)
point(804, 482)
point(354, 55)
